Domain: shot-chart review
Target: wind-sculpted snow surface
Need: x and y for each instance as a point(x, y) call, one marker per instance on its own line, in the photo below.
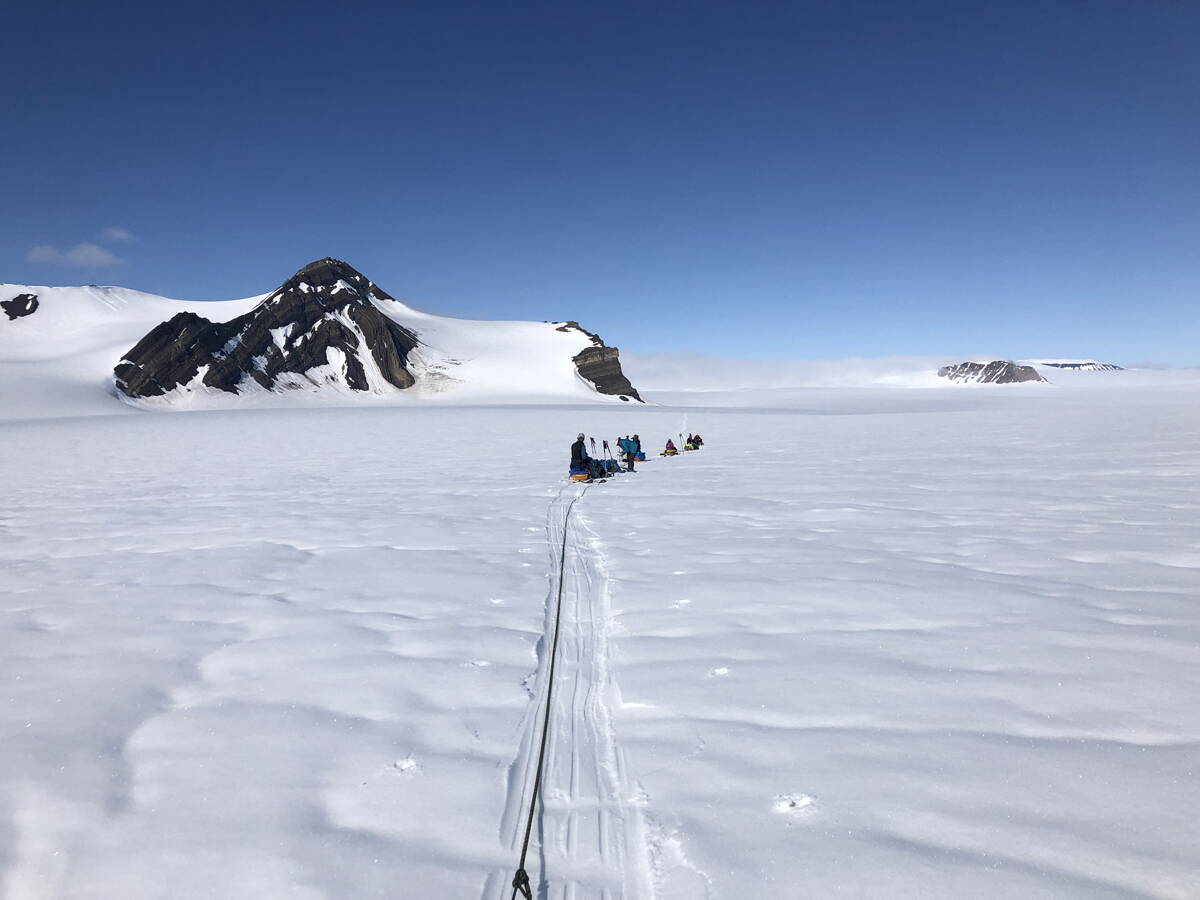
point(592, 837)
point(866, 643)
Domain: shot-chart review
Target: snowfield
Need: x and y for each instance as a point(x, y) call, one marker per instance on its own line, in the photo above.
point(869, 642)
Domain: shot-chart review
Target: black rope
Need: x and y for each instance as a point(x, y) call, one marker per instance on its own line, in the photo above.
point(520, 882)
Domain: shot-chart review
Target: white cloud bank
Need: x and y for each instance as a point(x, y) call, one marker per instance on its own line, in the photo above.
point(83, 255)
point(672, 372)
point(713, 379)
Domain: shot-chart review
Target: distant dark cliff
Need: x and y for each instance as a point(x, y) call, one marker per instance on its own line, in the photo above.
point(601, 365)
point(998, 371)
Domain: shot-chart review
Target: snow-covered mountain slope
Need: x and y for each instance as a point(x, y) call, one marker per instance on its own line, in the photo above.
point(59, 359)
point(69, 321)
point(1074, 365)
point(318, 338)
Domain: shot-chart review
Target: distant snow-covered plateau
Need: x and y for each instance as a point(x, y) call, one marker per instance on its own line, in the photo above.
point(885, 635)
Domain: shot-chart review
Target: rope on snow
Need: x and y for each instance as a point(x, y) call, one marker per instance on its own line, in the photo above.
point(520, 882)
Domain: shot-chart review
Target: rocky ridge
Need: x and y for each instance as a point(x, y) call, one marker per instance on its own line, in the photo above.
point(328, 326)
point(998, 371)
point(320, 327)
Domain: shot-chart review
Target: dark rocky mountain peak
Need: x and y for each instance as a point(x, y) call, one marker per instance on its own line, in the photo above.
point(319, 327)
point(323, 275)
point(998, 371)
point(19, 306)
point(329, 283)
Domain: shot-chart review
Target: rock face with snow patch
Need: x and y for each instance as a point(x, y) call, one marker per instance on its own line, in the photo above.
point(1086, 366)
point(321, 327)
point(601, 365)
point(20, 306)
point(998, 371)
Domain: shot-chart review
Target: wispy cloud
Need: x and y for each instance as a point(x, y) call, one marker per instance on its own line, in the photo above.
point(81, 255)
point(116, 233)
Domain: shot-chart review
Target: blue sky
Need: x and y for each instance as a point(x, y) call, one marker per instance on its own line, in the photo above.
point(805, 180)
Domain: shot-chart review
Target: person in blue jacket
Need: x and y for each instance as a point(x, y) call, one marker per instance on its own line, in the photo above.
point(629, 449)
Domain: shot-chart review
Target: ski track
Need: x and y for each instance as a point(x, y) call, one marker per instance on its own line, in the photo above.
point(590, 836)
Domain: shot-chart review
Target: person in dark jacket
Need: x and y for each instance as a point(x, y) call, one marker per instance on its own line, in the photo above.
point(582, 463)
point(578, 455)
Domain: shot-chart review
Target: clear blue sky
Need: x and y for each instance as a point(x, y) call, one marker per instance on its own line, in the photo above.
point(772, 180)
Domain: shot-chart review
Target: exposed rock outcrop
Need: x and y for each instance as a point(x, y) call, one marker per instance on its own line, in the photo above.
point(20, 306)
point(320, 327)
point(997, 371)
point(601, 365)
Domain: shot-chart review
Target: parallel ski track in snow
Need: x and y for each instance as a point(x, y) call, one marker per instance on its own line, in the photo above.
point(590, 837)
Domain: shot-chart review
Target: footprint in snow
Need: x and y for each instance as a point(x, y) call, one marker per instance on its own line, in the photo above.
point(480, 663)
point(407, 766)
point(719, 672)
point(794, 805)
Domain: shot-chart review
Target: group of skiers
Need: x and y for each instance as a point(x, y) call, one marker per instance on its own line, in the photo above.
point(585, 466)
point(694, 442)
